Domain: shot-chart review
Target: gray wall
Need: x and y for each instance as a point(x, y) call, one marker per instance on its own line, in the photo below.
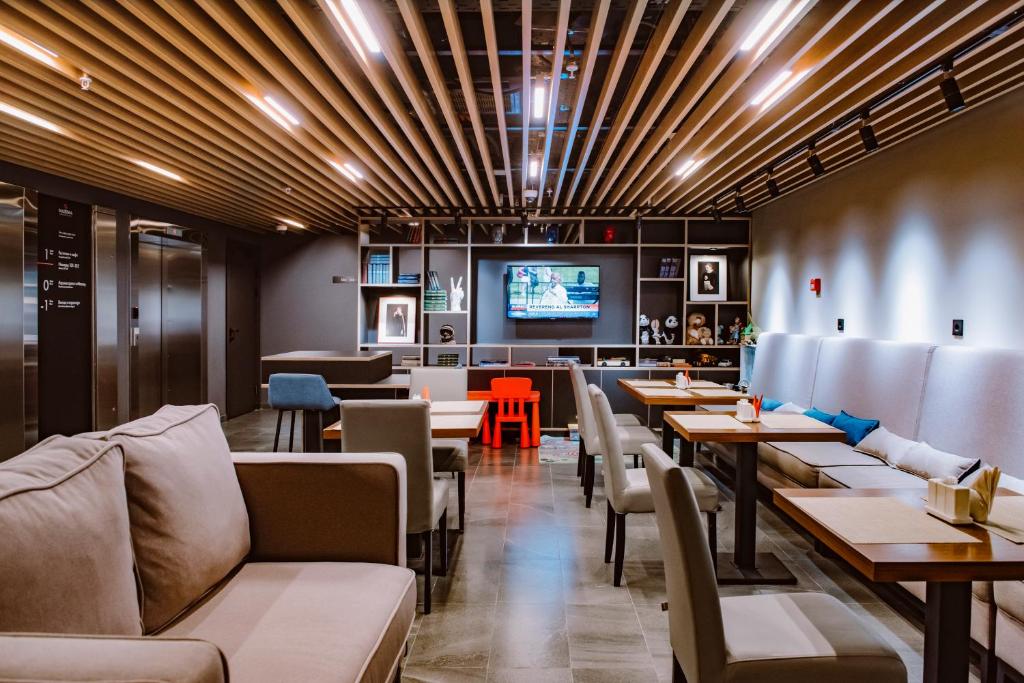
point(300, 309)
point(918, 234)
point(618, 298)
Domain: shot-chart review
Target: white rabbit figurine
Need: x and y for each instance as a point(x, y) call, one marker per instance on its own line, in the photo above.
point(457, 294)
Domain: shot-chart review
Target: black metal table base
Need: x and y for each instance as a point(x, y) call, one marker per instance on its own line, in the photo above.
point(767, 570)
point(947, 632)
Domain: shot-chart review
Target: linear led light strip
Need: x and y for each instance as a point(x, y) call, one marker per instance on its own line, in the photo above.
point(353, 22)
point(689, 167)
point(346, 169)
point(30, 118)
point(278, 114)
point(534, 168)
point(777, 87)
point(156, 169)
point(539, 101)
point(294, 224)
point(26, 46)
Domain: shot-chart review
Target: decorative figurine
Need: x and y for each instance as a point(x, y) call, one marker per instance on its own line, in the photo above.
point(671, 325)
point(447, 333)
point(656, 334)
point(645, 329)
point(645, 337)
point(457, 294)
point(735, 330)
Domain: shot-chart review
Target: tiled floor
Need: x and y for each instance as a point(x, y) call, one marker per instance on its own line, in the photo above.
point(529, 597)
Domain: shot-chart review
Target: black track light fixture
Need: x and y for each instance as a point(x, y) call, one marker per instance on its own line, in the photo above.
point(383, 221)
point(524, 221)
point(817, 168)
point(458, 220)
point(773, 187)
point(716, 213)
point(867, 134)
point(741, 206)
point(951, 90)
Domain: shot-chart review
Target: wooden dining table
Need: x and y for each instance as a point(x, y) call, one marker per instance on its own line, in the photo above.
point(966, 553)
point(746, 566)
point(448, 420)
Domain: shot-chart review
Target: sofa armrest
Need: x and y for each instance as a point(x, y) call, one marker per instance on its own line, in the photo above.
point(324, 507)
point(41, 657)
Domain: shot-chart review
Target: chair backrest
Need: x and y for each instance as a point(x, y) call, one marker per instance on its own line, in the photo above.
point(584, 410)
point(297, 391)
point(694, 613)
point(446, 384)
point(396, 426)
point(511, 394)
point(613, 462)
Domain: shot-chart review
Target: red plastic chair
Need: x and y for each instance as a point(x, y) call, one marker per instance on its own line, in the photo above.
point(511, 393)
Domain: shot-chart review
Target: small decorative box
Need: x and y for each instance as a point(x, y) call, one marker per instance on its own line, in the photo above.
point(949, 502)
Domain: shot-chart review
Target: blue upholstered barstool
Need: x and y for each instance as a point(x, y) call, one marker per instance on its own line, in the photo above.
point(294, 391)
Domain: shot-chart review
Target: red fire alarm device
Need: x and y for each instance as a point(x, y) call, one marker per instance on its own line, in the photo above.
point(816, 286)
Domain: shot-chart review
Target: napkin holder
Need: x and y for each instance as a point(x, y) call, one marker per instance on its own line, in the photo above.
point(950, 502)
point(745, 411)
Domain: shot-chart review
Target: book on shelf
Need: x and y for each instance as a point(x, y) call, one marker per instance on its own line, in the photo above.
point(448, 360)
point(524, 364)
point(562, 361)
point(493, 363)
point(669, 267)
point(408, 278)
point(377, 268)
point(410, 361)
point(434, 281)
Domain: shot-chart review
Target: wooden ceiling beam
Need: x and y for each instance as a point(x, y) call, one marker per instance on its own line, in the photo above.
point(696, 42)
point(630, 24)
point(491, 40)
point(428, 58)
point(598, 19)
point(668, 24)
point(458, 48)
point(561, 29)
point(526, 97)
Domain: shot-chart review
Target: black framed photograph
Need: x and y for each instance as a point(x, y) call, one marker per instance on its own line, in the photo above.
point(708, 277)
point(396, 320)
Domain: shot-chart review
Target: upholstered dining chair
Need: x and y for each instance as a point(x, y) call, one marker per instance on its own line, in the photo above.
point(792, 637)
point(450, 455)
point(403, 427)
point(628, 491)
point(631, 437)
point(579, 392)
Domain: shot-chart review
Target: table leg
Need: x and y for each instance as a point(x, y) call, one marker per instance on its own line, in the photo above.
point(747, 566)
point(535, 418)
point(668, 438)
point(312, 431)
point(947, 632)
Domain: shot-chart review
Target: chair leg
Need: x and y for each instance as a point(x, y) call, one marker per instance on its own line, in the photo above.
point(443, 538)
point(496, 436)
point(588, 488)
point(636, 461)
point(609, 534)
point(486, 437)
point(277, 432)
point(988, 666)
point(620, 546)
point(524, 435)
point(428, 568)
point(677, 671)
point(582, 453)
point(713, 538)
point(462, 500)
point(291, 434)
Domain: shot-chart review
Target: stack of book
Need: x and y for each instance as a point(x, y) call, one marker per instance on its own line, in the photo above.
point(377, 268)
point(493, 363)
point(408, 278)
point(410, 361)
point(435, 300)
point(433, 280)
point(448, 360)
point(415, 234)
point(669, 267)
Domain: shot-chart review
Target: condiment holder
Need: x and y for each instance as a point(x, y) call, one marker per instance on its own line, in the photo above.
point(683, 380)
point(949, 501)
point(745, 411)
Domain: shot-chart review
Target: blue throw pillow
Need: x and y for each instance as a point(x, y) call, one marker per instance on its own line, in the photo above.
point(820, 415)
point(770, 404)
point(856, 428)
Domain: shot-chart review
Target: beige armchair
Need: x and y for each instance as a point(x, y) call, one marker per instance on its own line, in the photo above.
point(791, 637)
point(629, 491)
point(403, 427)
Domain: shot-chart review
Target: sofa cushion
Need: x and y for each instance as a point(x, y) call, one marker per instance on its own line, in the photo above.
point(1009, 597)
point(884, 445)
point(801, 461)
point(927, 462)
point(188, 519)
point(856, 428)
point(861, 477)
point(66, 546)
point(821, 415)
point(308, 622)
point(791, 407)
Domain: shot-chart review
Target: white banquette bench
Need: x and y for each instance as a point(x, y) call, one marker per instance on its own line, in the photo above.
point(960, 400)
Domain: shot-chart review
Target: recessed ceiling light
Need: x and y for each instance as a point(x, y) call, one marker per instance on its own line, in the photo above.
point(294, 224)
point(274, 111)
point(539, 101)
point(156, 169)
point(26, 46)
point(777, 87)
point(781, 26)
point(764, 25)
point(30, 118)
point(534, 170)
point(689, 167)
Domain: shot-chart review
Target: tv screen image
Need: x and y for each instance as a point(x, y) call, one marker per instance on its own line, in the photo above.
point(553, 292)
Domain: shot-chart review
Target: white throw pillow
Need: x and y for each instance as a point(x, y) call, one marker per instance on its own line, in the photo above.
point(790, 408)
point(929, 463)
point(884, 445)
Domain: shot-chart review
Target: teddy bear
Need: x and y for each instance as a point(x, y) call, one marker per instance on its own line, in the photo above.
point(706, 337)
point(695, 322)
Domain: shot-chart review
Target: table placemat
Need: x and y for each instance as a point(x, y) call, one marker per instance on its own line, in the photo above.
point(668, 391)
point(788, 421)
point(647, 383)
point(714, 422)
point(457, 407)
point(877, 520)
point(1007, 518)
point(455, 421)
point(706, 384)
point(717, 392)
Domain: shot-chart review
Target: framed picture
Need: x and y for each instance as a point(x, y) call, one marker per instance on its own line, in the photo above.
point(708, 277)
point(396, 320)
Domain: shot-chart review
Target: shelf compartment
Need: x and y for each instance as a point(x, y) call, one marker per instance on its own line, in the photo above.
point(624, 231)
point(731, 232)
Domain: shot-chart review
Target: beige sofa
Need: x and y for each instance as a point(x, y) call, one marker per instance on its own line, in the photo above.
point(153, 553)
point(958, 399)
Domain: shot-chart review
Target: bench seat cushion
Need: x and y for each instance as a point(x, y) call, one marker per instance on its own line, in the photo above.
point(1009, 598)
point(802, 461)
point(860, 477)
point(311, 622)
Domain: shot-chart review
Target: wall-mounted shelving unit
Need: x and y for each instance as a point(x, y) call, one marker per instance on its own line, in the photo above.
point(453, 247)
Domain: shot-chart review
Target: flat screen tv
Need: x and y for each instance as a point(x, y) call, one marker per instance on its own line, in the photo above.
point(543, 292)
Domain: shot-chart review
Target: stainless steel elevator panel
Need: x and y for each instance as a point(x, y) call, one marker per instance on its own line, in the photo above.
point(106, 310)
point(12, 303)
point(147, 370)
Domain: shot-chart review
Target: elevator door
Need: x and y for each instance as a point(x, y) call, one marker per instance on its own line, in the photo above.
point(168, 358)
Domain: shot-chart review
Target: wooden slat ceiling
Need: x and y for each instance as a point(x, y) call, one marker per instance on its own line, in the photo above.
point(427, 114)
